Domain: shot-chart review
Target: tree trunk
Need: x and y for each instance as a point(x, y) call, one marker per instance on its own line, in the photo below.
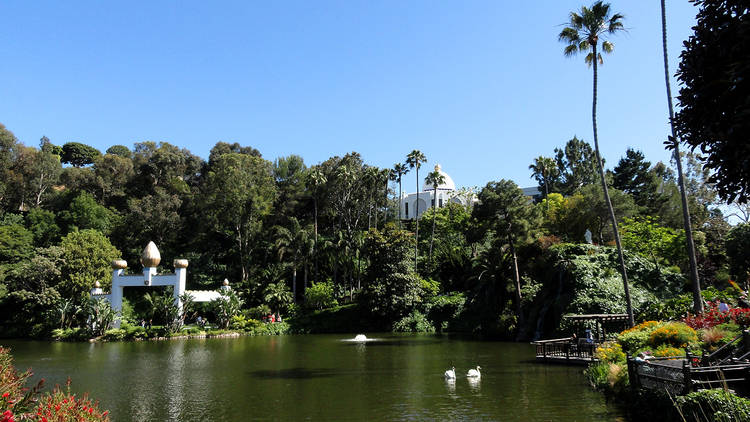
point(517, 279)
point(399, 201)
point(625, 285)
point(416, 218)
point(294, 283)
point(315, 243)
point(694, 280)
point(434, 217)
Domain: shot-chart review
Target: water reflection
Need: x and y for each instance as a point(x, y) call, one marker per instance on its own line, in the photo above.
point(316, 378)
point(474, 384)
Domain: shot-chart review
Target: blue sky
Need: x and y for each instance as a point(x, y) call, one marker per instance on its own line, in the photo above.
point(481, 87)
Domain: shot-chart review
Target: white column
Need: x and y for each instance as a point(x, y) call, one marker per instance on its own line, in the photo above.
point(116, 294)
point(179, 286)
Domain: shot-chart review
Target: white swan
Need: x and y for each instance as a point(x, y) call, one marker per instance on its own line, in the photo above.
point(450, 374)
point(474, 373)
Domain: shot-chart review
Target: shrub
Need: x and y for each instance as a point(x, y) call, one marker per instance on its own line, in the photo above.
point(610, 352)
point(320, 296)
point(18, 402)
point(608, 377)
point(415, 322)
point(636, 338)
point(668, 351)
point(674, 334)
point(115, 334)
point(713, 405)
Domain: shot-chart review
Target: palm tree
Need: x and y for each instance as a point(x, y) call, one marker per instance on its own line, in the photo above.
point(583, 35)
point(294, 241)
point(544, 167)
point(315, 179)
point(435, 179)
point(675, 144)
point(415, 160)
point(399, 169)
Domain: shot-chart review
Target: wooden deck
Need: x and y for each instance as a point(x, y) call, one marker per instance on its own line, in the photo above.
point(568, 350)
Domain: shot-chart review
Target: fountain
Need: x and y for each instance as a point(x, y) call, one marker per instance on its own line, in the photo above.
point(360, 338)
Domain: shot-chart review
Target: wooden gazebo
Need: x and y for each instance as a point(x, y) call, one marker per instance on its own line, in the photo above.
point(602, 322)
point(580, 349)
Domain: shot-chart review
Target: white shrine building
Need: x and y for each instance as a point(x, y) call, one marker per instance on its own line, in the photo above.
point(150, 259)
point(446, 192)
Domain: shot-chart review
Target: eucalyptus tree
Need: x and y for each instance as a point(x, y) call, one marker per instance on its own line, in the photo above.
point(237, 196)
point(434, 178)
point(399, 170)
point(674, 143)
point(415, 159)
point(583, 34)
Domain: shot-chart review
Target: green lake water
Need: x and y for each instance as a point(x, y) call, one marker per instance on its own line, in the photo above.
point(317, 377)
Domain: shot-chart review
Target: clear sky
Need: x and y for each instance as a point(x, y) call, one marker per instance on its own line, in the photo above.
point(481, 87)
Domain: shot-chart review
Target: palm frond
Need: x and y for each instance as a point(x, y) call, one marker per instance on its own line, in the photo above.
point(570, 50)
point(607, 47)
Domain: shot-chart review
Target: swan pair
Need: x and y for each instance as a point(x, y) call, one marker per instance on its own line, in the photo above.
point(473, 373)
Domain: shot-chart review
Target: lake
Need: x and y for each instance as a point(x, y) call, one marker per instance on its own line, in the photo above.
point(317, 377)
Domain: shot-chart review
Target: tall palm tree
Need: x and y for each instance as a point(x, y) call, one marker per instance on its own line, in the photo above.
point(435, 179)
point(315, 180)
point(545, 167)
point(399, 169)
point(583, 35)
point(415, 160)
point(675, 144)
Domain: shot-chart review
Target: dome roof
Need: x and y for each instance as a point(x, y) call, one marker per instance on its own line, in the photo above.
point(446, 185)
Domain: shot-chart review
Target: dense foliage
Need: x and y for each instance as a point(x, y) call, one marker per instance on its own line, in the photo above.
point(323, 246)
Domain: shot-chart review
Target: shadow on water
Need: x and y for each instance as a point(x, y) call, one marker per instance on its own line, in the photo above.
point(294, 373)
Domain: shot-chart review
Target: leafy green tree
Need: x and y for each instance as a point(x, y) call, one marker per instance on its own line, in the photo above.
point(738, 251)
point(415, 159)
point(42, 224)
point(289, 173)
point(594, 213)
point(155, 217)
point(16, 243)
point(85, 213)
point(222, 148)
point(632, 175)
point(8, 145)
point(45, 145)
point(644, 236)
point(237, 195)
point(392, 288)
point(86, 255)
point(435, 179)
point(112, 173)
point(120, 151)
point(714, 73)
point(576, 164)
point(583, 35)
point(78, 154)
point(42, 174)
point(161, 164)
point(505, 209)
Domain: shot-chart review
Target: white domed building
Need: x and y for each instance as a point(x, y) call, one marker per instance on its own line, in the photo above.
point(446, 192)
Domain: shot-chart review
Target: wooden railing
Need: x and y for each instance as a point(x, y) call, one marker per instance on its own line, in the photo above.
point(565, 348)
